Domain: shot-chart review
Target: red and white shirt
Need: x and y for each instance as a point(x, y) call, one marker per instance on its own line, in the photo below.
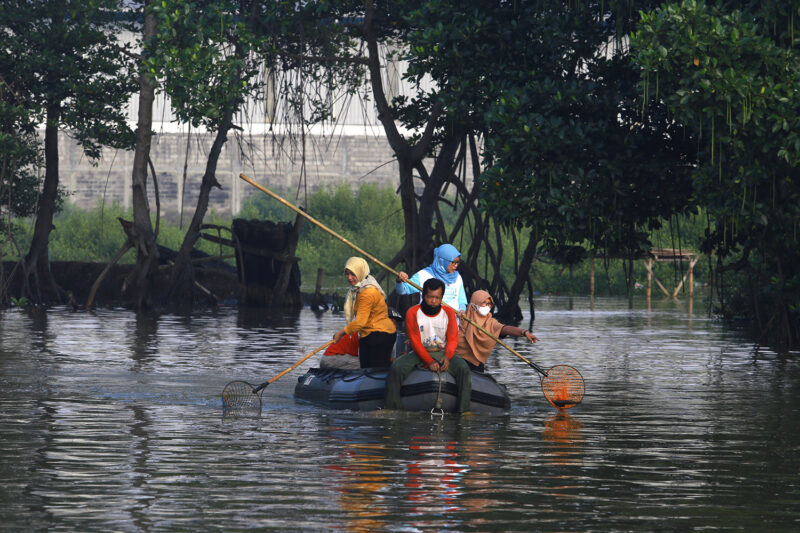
point(434, 333)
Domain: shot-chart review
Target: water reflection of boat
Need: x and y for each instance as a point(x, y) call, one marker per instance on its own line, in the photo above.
point(365, 476)
point(363, 390)
point(564, 433)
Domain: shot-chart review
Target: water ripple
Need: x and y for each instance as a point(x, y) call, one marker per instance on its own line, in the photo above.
point(112, 421)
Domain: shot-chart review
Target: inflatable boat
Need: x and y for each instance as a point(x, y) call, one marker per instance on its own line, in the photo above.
point(363, 390)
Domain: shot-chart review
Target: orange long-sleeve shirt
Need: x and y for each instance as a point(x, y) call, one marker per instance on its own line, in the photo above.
point(371, 314)
point(446, 320)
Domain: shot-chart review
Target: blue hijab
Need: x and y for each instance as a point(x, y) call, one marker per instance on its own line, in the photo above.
point(442, 257)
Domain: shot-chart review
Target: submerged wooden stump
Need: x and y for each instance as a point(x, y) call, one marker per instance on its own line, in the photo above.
point(267, 266)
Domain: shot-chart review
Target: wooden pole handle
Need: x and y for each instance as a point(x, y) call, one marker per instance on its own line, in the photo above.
point(298, 363)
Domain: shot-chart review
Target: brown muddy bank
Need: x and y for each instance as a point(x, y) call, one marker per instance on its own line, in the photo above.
point(76, 278)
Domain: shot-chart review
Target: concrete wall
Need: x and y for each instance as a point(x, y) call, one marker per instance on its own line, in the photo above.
point(353, 157)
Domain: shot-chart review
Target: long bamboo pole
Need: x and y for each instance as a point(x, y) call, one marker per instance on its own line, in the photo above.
point(298, 363)
point(379, 263)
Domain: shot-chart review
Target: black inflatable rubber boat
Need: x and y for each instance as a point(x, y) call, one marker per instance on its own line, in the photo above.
point(363, 390)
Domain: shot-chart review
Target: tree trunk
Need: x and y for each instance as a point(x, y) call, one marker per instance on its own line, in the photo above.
point(37, 261)
point(511, 311)
point(143, 235)
point(408, 200)
point(182, 273)
point(629, 279)
point(441, 173)
point(408, 155)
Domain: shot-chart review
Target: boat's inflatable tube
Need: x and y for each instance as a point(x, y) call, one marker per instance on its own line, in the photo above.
point(363, 390)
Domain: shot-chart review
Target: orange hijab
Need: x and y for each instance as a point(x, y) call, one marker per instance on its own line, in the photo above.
point(475, 345)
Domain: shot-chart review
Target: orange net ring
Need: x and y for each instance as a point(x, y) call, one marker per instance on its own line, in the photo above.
point(563, 386)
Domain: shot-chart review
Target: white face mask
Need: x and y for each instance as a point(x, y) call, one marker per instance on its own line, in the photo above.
point(484, 310)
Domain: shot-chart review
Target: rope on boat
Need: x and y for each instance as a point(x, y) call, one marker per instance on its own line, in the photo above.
point(437, 409)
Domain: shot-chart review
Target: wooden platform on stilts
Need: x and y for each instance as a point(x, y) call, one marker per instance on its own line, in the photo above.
point(669, 255)
point(662, 255)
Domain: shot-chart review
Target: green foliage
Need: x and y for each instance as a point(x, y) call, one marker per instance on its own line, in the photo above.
point(95, 235)
point(60, 62)
point(202, 55)
point(67, 54)
point(371, 218)
point(260, 207)
point(19, 156)
point(730, 76)
point(58, 55)
point(567, 147)
point(737, 88)
point(82, 235)
point(19, 302)
point(210, 55)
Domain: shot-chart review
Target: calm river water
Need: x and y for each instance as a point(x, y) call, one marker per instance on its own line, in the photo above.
point(112, 422)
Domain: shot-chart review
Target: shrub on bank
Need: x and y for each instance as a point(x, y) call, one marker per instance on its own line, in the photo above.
point(95, 235)
point(371, 218)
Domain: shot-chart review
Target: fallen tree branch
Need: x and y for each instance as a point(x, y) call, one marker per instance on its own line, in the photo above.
point(125, 247)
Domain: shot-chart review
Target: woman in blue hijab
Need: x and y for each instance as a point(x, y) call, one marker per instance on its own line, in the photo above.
point(444, 267)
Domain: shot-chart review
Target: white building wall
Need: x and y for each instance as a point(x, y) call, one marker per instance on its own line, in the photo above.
point(351, 149)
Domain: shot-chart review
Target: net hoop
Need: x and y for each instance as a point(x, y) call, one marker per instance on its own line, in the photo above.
point(563, 386)
point(238, 397)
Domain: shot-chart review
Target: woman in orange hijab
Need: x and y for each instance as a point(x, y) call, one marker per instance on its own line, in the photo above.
point(475, 346)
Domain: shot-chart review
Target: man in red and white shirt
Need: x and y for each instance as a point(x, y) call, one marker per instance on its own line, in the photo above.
point(432, 330)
